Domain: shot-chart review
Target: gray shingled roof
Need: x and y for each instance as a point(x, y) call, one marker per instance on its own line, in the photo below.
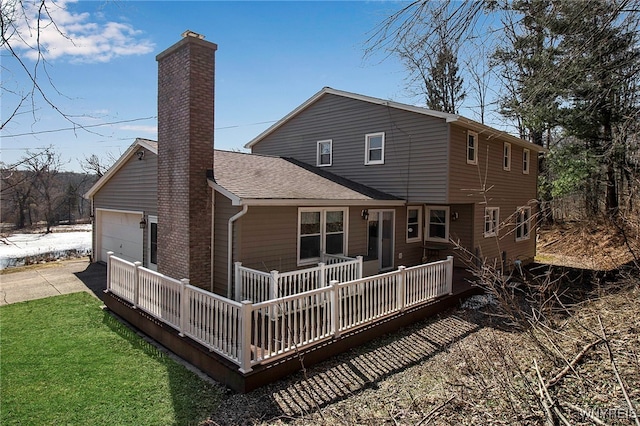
point(262, 177)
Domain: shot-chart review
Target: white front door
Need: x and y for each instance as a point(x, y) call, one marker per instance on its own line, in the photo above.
point(380, 239)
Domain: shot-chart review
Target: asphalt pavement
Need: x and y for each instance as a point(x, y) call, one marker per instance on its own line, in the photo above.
point(52, 279)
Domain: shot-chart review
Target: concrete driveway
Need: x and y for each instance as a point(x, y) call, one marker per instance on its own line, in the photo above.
point(52, 279)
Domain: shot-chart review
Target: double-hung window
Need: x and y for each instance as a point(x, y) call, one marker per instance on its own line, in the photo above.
point(523, 223)
point(321, 231)
point(472, 148)
point(525, 161)
point(414, 224)
point(374, 148)
point(506, 162)
point(437, 223)
point(491, 221)
point(325, 153)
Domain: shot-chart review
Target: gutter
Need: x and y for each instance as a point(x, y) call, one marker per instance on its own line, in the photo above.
point(232, 219)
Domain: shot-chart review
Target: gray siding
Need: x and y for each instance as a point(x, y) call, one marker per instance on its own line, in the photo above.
point(269, 238)
point(222, 211)
point(416, 150)
point(507, 190)
point(133, 187)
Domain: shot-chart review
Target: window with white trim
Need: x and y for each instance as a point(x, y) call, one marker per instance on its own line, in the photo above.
point(491, 221)
point(414, 224)
point(506, 162)
point(526, 157)
point(374, 148)
point(437, 228)
point(523, 223)
point(472, 147)
point(321, 230)
point(325, 153)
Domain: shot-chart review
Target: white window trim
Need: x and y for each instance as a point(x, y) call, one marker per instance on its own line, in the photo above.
point(475, 148)
point(319, 152)
point(323, 214)
point(150, 220)
point(506, 160)
point(366, 149)
point(519, 223)
point(526, 161)
point(446, 224)
point(419, 225)
point(489, 218)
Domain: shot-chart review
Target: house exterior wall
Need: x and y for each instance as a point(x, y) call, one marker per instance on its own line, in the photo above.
point(269, 238)
point(415, 154)
point(222, 211)
point(461, 231)
point(507, 190)
point(134, 187)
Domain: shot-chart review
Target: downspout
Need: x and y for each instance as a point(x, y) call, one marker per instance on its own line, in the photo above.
point(232, 219)
point(212, 240)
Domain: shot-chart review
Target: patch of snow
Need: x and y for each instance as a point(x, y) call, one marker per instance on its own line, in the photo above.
point(479, 301)
point(24, 249)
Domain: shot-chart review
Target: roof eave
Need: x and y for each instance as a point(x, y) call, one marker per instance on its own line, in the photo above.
point(318, 202)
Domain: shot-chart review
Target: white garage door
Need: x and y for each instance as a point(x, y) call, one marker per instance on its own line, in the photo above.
point(120, 233)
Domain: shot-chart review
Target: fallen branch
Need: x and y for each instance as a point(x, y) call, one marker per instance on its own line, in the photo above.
point(615, 370)
point(572, 364)
point(547, 409)
point(435, 410)
point(544, 392)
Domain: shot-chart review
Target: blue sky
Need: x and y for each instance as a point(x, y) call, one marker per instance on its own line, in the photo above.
point(271, 57)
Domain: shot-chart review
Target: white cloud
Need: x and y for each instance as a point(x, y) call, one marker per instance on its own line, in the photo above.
point(65, 34)
point(140, 128)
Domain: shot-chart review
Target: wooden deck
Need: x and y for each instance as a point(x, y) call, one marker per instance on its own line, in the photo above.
point(228, 373)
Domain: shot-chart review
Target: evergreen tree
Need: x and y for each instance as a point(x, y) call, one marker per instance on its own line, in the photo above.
point(443, 84)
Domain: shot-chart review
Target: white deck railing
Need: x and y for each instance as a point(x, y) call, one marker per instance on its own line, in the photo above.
point(250, 333)
point(259, 286)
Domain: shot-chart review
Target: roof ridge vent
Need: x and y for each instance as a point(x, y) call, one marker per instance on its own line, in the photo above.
point(194, 34)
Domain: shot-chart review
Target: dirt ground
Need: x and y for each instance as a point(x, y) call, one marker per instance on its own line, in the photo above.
point(587, 245)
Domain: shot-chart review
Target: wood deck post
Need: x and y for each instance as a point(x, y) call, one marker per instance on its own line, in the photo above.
point(136, 284)
point(401, 290)
point(321, 274)
point(335, 308)
point(450, 274)
point(184, 307)
point(359, 258)
point(273, 288)
point(238, 280)
point(245, 336)
point(109, 254)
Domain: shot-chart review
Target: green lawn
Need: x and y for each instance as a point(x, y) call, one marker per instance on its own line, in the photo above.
point(65, 361)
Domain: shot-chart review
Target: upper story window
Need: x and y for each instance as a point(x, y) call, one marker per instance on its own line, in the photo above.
point(506, 162)
point(491, 221)
point(321, 230)
point(526, 159)
point(472, 148)
point(414, 224)
point(437, 223)
point(374, 148)
point(325, 153)
point(523, 223)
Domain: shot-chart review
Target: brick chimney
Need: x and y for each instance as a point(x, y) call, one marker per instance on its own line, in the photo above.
point(185, 153)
